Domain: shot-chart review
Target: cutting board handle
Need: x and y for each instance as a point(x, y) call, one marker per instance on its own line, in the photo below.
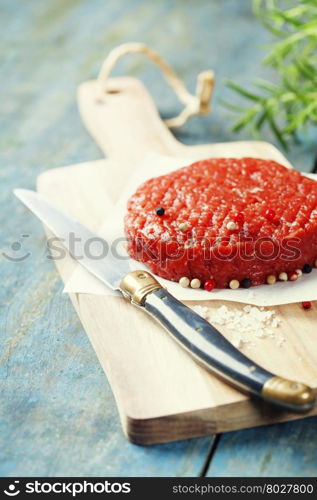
point(124, 121)
point(121, 115)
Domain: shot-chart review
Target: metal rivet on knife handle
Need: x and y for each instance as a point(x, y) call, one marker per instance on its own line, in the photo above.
point(137, 284)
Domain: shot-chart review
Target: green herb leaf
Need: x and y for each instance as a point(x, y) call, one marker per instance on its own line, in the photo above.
point(290, 104)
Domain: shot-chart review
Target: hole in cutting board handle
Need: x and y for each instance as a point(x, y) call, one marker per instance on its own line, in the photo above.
point(113, 91)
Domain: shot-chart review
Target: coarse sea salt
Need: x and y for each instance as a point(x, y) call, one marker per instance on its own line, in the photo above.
point(245, 326)
point(201, 310)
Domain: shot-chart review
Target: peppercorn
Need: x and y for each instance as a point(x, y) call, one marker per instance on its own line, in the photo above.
point(231, 225)
point(293, 276)
point(234, 284)
point(183, 226)
point(283, 276)
point(306, 305)
point(160, 211)
point(246, 283)
point(269, 214)
point(195, 283)
point(271, 279)
point(184, 282)
point(209, 285)
point(307, 269)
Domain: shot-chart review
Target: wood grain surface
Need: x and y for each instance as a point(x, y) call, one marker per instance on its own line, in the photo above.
point(46, 428)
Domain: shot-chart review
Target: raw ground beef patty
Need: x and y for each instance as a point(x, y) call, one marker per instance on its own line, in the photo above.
point(224, 219)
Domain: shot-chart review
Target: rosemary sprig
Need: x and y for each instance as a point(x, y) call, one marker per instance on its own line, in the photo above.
point(290, 105)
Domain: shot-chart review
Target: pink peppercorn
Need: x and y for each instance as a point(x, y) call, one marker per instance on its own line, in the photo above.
point(209, 285)
point(269, 214)
point(306, 305)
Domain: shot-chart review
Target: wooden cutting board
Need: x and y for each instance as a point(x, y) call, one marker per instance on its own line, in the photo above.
point(161, 393)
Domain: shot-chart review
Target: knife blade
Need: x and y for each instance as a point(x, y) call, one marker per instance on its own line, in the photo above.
point(200, 339)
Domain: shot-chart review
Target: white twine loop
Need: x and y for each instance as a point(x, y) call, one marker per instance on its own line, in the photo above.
point(198, 104)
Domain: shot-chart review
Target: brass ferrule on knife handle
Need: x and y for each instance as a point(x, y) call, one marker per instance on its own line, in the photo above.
point(282, 389)
point(136, 285)
point(209, 347)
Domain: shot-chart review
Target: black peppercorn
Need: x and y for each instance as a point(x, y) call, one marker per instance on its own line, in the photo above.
point(307, 269)
point(246, 283)
point(160, 211)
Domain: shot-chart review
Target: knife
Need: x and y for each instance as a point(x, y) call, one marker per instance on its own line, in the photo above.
point(200, 339)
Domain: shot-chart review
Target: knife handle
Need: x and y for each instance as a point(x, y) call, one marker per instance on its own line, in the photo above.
point(210, 348)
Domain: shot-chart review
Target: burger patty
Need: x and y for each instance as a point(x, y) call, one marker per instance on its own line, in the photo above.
point(224, 219)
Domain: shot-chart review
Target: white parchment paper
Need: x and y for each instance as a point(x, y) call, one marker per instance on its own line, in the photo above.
point(81, 281)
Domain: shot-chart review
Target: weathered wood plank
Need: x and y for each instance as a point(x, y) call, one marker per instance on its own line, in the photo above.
point(288, 450)
point(57, 414)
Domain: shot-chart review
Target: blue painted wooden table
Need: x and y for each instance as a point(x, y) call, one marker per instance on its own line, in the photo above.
point(57, 413)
